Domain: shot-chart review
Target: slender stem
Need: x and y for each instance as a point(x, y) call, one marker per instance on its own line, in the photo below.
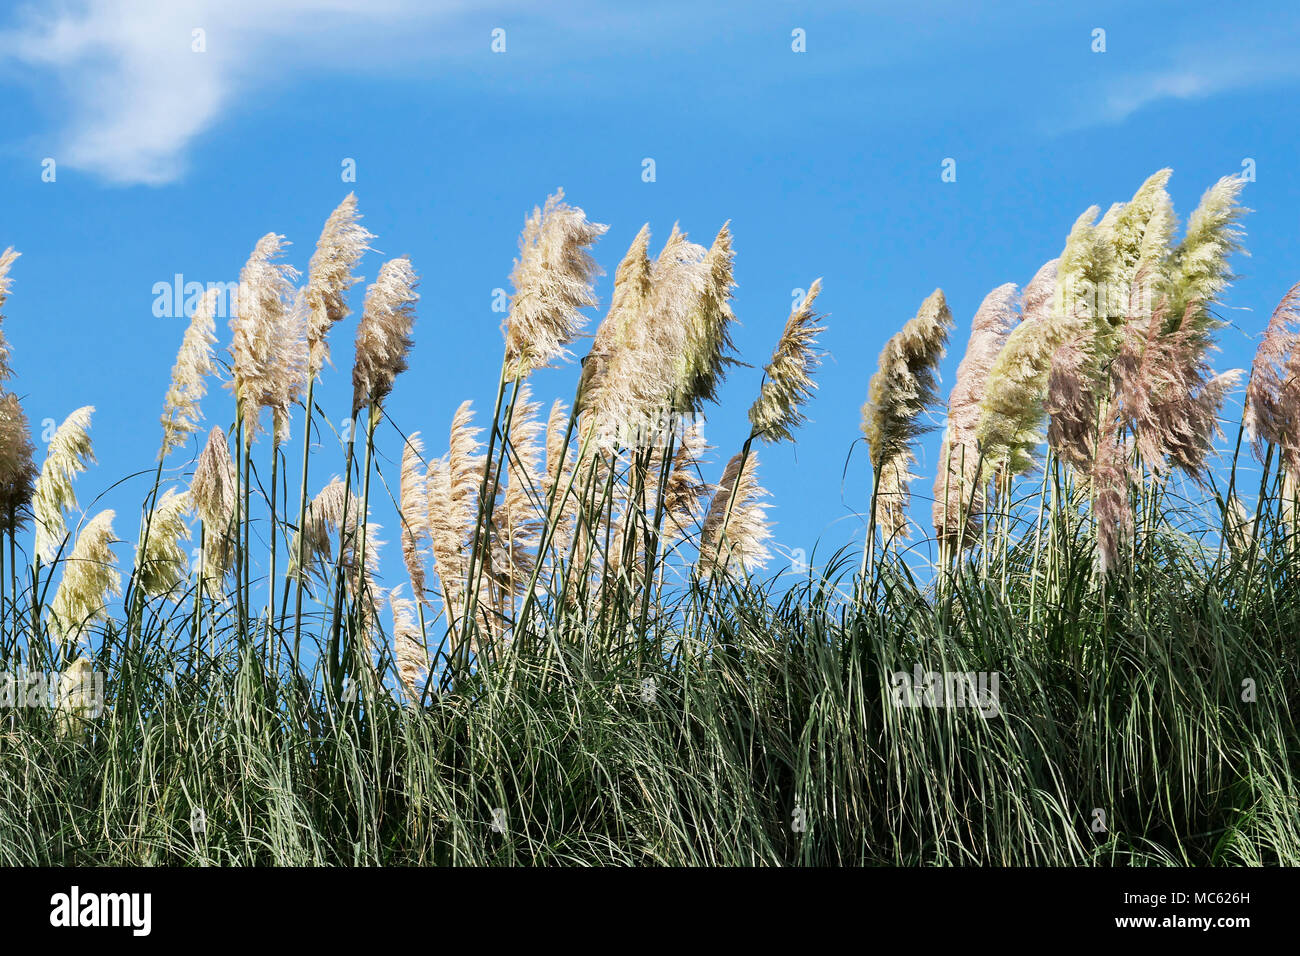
point(335, 673)
point(483, 519)
point(302, 518)
point(363, 590)
point(270, 581)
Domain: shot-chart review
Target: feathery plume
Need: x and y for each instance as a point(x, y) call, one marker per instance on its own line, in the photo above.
point(291, 361)
point(89, 577)
point(80, 696)
point(384, 333)
point(265, 288)
point(17, 464)
point(1198, 266)
point(736, 527)
point(69, 454)
point(408, 644)
point(1110, 482)
point(1011, 409)
point(325, 518)
point(1273, 395)
point(414, 495)
point(522, 507)
point(903, 388)
point(552, 280)
point(212, 491)
point(1167, 395)
point(685, 491)
point(632, 286)
point(958, 478)
point(1239, 523)
point(1083, 336)
point(704, 361)
point(181, 412)
point(787, 379)
point(557, 424)
point(1142, 232)
point(637, 364)
point(6, 262)
point(163, 565)
point(453, 485)
point(342, 243)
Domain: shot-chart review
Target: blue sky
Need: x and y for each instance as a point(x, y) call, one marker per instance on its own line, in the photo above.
point(827, 162)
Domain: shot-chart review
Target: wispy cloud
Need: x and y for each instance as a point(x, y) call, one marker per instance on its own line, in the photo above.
point(136, 85)
point(1196, 72)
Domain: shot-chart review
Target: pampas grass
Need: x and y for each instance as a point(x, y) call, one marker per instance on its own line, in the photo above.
point(164, 563)
point(956, 513)
point(1272, 413)
point(384, 333)
point(90, 578)
point(736, 530)
point(787, 379)
point(265, 298)
point(7, 259)
point(604, 654)
point(17, 465)
point(342, 243)
point(181, 411)
point(414, 506)
point(552, 281)
point(903, 389)
point(69, 454)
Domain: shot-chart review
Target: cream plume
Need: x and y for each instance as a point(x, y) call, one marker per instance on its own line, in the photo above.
point(686, 491)
point(902, 390)
point(212, 490)
point(957, 489)
point(384, 333)
point(552, 280)
point(6, 262)
point(164, 563)
point(1198, 266)
point(409, 649)
point(704, 361)
point(414, 495)
point(453, 485)
point(79, 698)
point(265, 290)
point(69, 454)
point(342, 243)
point(291, 361)
point(787, 379)
point(90, 575)
point(599, 386)
point(335, 511)
point(522, 505)
point(638, 362)
point(1273, 395)
point(1011, 409)
point(1142, 232)
point(736, 529)
point(181, 412)
point(17, 464)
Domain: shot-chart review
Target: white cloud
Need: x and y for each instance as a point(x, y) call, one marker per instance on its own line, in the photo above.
point(1206, 74)
point(132, 92)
